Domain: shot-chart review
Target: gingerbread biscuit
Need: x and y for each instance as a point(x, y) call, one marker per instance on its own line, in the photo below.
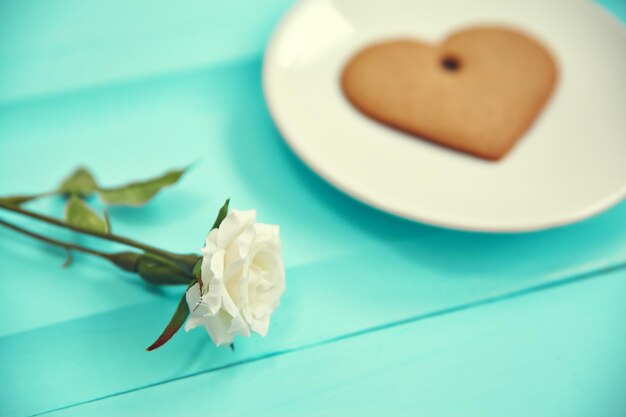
point(476, 92)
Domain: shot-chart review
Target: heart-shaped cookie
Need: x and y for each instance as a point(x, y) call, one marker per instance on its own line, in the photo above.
point(477, 92)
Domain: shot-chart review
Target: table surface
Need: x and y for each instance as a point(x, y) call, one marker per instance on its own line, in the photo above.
point(381, 315)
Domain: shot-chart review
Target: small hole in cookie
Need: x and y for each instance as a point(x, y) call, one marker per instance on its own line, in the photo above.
point(450, 63)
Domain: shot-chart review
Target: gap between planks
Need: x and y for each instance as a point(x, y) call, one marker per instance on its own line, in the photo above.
point(438, 313)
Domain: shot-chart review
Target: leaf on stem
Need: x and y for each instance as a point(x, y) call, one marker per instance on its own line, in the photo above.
point(79, 214)
point(80, 182)
point(139, 193)
point(177, 320)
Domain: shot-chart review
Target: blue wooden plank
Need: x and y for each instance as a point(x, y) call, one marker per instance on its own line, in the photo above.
point(48, 47)
point(183, 122)
point(218, 115)
point(103, 354)
point(552, 353)
point(392, 269)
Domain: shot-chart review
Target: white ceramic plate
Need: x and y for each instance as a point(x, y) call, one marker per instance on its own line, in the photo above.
point(570, 165)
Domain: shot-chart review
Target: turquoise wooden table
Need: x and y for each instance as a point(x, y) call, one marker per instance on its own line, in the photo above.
point(381, 315)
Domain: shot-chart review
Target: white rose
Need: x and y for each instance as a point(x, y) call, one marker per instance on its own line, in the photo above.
point(243, 278)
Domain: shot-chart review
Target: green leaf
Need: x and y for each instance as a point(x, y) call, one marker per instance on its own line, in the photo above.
point(177, 320)
point(79, 214)
point(139, 193)
point(18, 200)
point(221, 215)
point(80, 182)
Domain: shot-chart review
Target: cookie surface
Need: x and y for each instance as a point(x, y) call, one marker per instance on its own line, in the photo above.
point(476, 92)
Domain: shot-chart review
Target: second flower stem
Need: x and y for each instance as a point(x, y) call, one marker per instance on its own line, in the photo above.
point(54, 242)
point(185, 261)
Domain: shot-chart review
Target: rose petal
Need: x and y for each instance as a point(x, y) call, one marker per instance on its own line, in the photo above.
point(233, 224)
point(238, 251)
point(196, 303)
point(193, 322)
point(210, 244)
point(267, 233)
point(217, 327)
point(239, 326)
point(260, 326)
point(229, 305)
point(243, 279)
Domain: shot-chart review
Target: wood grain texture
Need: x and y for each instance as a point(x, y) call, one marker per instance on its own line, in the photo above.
point(103, 354)
point(82, 336)
point(176, 115)
point(82, 44)
point(552, 353)
point(369, 259)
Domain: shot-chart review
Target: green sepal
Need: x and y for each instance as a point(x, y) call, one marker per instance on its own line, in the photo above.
point(160, 271)
point(177, 320)
point(197, 271)
point(126, 261)
point(197, 268)
point(221, 215)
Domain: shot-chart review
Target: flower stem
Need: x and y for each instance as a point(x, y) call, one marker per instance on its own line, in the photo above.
point(152, 269)
point(65, 245)
point(185, 261)
point(19, 199)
